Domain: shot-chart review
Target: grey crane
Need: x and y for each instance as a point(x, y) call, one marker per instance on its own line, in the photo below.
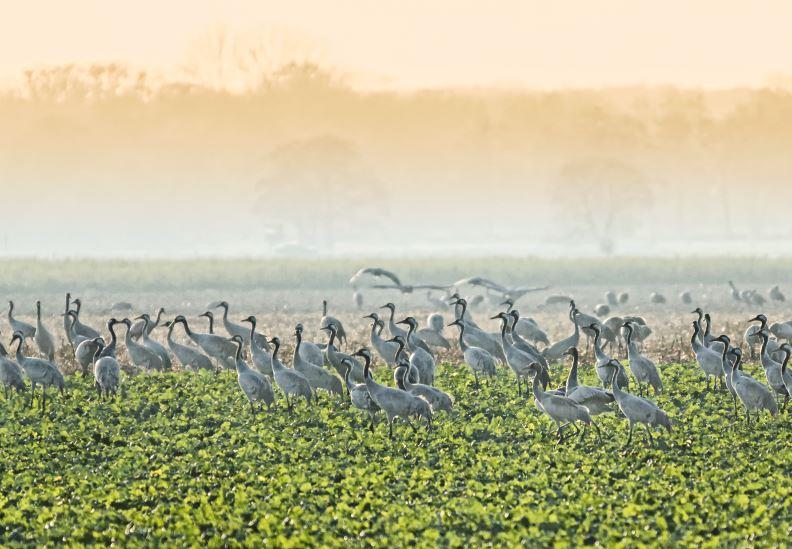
point(43, 337)
point(291, 382)
point(786, 375)
point(255, 385)
point(86, 351)
point(643, 370)
point(519, 362)
point(148, 326)
point(432, 334)
point(328, 320)
point(775, 378)
point(403, 363)
point(753, 394)
point(709, 360)
point(38, 371)
point(596, 399)
point(637, 409)
point(78, 327)
point(262, 357)
point(27, 330)
point(385, 349)
point(422, 359)
point(140, 355)
point(336, 358)
point(107, 373)
point(476, 336)
point(217, 347)
point(158, 348)
point(395, 402)
point(186, 355)
point(393, 329)
point(555, 351)
point(437, 399)
point(602, 368)
point(562, 410)
point(776, 294)
point(10, 373)
point(479, 360)
point(317, 376)
point(359, 395)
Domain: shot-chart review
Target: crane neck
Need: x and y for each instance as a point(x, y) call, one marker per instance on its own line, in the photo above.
point(572, 378)
point(462, 344)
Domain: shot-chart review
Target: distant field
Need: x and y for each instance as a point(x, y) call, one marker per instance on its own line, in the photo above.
point(150, 275)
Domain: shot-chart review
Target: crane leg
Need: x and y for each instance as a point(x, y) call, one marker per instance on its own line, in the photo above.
point(252, 409)
point(629, 437)
point(43, 398)
point(32, 393)
point(371, 427)
point(390, 428)
point(597, 430)
point(649, 434)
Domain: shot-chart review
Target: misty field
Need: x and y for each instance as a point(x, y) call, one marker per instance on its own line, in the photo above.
point(177, 458)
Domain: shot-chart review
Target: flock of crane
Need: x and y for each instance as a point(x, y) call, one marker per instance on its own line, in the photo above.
point(411, 353)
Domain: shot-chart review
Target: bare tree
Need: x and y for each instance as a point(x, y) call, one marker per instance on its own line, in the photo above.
point(608, 198)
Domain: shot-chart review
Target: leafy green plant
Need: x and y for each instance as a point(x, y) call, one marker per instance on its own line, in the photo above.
point(178, 459)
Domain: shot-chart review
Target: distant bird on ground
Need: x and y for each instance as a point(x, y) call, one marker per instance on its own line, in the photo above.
point(254, 384)
point(624, 297)
point(685, 297)
point(635, 408)
point(657, 298)
point(602, 310)
point(43, 337)
point(357, 299)
point(776, 294)
point(735, 293)
point(432, 334)
point(611, 298)
point(556, 299)
point(24, 328)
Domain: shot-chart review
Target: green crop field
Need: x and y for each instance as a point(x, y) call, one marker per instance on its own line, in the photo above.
point(179, 459)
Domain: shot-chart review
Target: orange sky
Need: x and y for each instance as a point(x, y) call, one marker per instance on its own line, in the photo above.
point(410, 44)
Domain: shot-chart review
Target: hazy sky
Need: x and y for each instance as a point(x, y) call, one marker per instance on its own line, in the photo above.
point(431, 43)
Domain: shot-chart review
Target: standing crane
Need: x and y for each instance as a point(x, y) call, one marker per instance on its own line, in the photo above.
point(254, 384)
point(43, 337)
point(637, 409)
point(38, 371)
point(394, 402)
point(479, 360)
point(289, 381)
point(27, 330)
